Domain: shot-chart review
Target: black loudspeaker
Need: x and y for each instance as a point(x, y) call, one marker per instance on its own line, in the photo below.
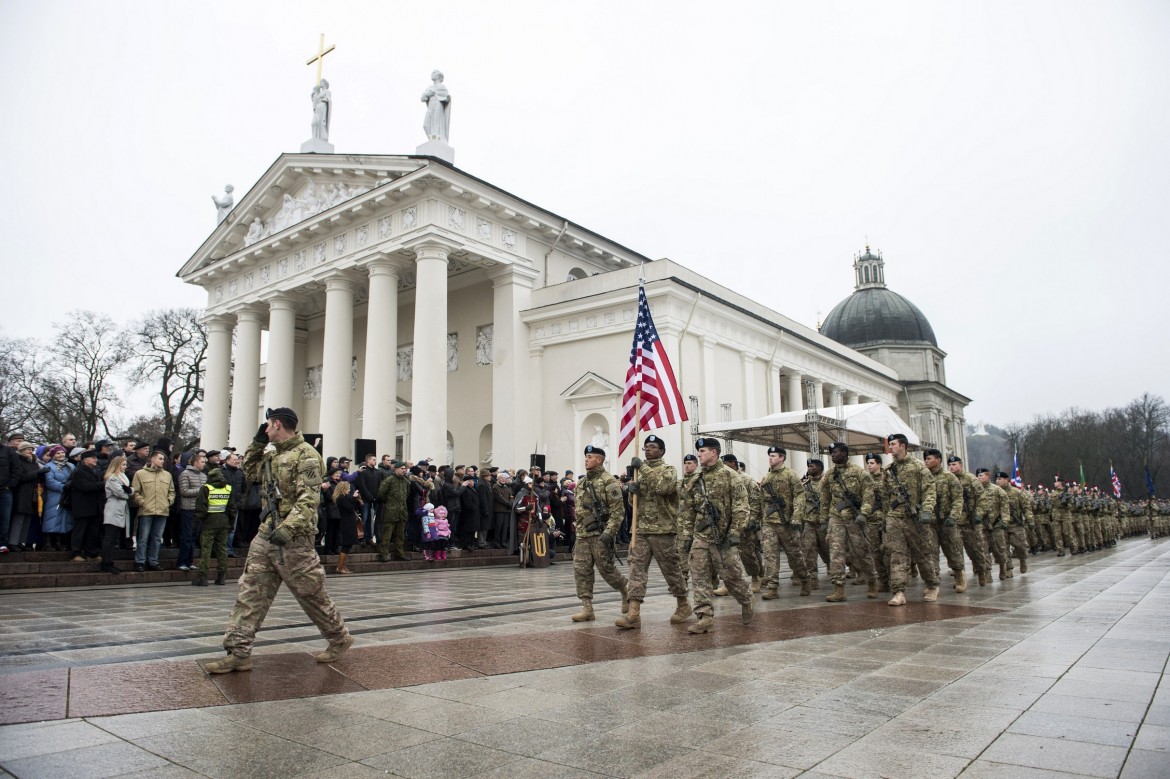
point(314, 440)
point(363, 447)
point(536, 461)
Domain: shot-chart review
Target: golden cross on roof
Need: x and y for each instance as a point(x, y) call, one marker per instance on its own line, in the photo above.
point(319, 58)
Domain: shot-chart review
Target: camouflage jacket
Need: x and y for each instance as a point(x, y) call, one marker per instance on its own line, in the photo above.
point(657, 497)
point(919, 485)
point(392, 494)
point(879, 508)
point(948, 498)
point(755, 504)
point(725, 491)
point(993, 508)
point(1019, 505)
point(808, 501)
point(1062, 506)
point(599, 504)
point(298, 471)
point(778, 492)
point(969, 489)
point(834, 484)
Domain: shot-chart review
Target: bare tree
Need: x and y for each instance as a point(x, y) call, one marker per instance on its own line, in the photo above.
point(15, 405)
point(170, 346)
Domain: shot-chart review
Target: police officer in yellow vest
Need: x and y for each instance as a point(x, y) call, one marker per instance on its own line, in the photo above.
point(215, 511)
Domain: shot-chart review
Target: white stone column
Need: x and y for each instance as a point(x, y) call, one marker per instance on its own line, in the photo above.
point(428, 433)
point(280, 384)
point(707, 400)
point(513, 430)
point(852, 398)
point(774, 405)
point(797, 461)
point(379, 399)
point(337, 358)
point(246, 382)
point(216, 378)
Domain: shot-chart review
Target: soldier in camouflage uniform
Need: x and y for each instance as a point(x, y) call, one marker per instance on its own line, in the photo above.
point(1062, 529)
point(392, 495)
point(1079, 520)
point(690, 468)
point(993, 511)
point(943, 532)
point(656, 486)
point(750, 546)
point(712, 520)
point(875, 526)
point(1015, 539)
point(814, 538)
point(778, 492)
point(290, 474)
point(1042, 510)
point(970, 525)
point(908, 492)
point(846, 503)
point(599, 515)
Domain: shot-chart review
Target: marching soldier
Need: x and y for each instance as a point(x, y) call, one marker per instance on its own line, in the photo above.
point(779, 489)
point(1042, 510)
point(690, 467)
point(657, 491)
point(1061, 502)
point(1015, 540)
point(599, 515)
point(713, 518)
point(846, 503)
point(970, 530)
point(908, 492)
point(993, 511)
point(750, 545)
point(874, 527)
point(948, 513)
point(813, 539)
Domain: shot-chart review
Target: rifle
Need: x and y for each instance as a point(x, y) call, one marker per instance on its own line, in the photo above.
point(712, 520)
point(904, 498)
point(851, 500)
point(271, 508)
point(777, 503)
point(597, 525)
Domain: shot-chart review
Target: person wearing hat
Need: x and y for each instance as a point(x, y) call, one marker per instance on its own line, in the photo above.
point(88, 501)
point(814, 539)
point(27, 472)
point(8, 476)
point(751, 545)
point(908, 493)
point(712, 520)
point(943, 532)
point(970, 530)
point(393, 492)
point(600, 513)
point(290, 472)
point(1015, 537)
point(215, 511)
point(1061, 503)
point(846, 503)
point(105, 449)
point(656, 488)
point(992, 510)
point(778, 489)
point(875, 527)
point(56, 521)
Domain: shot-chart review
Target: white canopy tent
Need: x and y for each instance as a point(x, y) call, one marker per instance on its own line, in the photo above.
point(864, 426)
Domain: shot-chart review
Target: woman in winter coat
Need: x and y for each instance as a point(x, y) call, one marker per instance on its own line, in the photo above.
point(347, 510)
point(117, 511)
point(57, 522)
point(25, 511)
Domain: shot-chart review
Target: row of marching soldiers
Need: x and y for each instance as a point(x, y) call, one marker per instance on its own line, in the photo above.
point(882, 525)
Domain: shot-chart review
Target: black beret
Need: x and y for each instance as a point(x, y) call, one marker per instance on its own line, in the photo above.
point(839, 445)
point(690, 458)
point(821, 463)
point(780, 450)
point(591, 449)
point(283, 413)
point(877, 458)
point(932, 453)
point(892, 437)
point(981, 470)
point(653, 439)
point(954, 458)
point(1001, 475)
point(730, 458)
point(709, 443)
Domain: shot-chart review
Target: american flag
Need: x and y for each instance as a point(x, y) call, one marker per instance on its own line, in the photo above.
point(1016, 479)
point(651, 376)
point(1116, 482)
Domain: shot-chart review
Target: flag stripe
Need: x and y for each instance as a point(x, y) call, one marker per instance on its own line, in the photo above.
point(650, 377)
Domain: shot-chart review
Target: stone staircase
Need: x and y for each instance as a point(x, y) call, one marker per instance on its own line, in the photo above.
point(30, 570)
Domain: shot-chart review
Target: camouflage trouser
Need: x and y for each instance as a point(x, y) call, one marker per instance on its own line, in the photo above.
point(684, 559)
point(705, 565)
point(1032, 537)
point(907, 543)
point(939, 536)
point(846, 535)
point(587, 553)
point(391, 531)
point(1080, 534)
point(660, 546)
point(1095, 532)
point(1060, 530)
point(213, 541)
point(786, 537)
point(814, 541)
point(881, 558)
point(297, 565)
point(1044, 534)
point(997, 553)
point(750, 553)
point(1014, 542)
point(976, 546)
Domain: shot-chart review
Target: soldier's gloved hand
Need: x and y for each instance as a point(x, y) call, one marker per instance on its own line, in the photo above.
point(633, 489)
point(1031, 525)
point(281, 535)
point(977, 520)
point(753, 526)
point(636, 462)
point(924, 518)
point(861, 519)
point(948, 522)
point(733, 538)
point(261, 436)
point(687, 545)
point(606, 539)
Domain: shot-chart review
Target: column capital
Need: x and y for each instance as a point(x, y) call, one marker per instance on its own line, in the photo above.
point(218, 322)
point(339, 282)
point(250, 314)
point(431, 249)
point(383, 265)
point(281, 302)
point(512, 274)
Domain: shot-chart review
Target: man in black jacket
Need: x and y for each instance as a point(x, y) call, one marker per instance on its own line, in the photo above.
point(369, 479)
point(9, 476)
point(89, 500)
point(235, 477)
point(477, 538)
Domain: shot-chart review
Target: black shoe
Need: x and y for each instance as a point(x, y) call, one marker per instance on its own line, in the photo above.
point(198, 582)
point(139, 568)
point(220, 578)
point(153, 567)
point(383, 558)
point(111, 569)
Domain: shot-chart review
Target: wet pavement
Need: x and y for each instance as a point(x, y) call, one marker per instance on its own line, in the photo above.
point(479, 672)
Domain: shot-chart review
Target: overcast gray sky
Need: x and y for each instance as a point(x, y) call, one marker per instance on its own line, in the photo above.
point(1010, 159)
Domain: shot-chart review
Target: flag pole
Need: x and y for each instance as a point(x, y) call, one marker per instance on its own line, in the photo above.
point(637, 436)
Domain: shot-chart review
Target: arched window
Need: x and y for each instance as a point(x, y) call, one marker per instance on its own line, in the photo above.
point(866, 271)
point(574, 274)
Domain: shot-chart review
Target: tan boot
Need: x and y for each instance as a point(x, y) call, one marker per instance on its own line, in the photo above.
point(806, 587)
point(838, 594)
point(983, 578)
point(961, 580)
point(682, 611)
point(1023, 565)
point(1002, 572)
point(721, 591)
point(899, 599)
point(755, 584)
point(341, 569)
point(631, 619)
point(747, 611)
point(334, 651)
point(586, 612)
point(872, 592)
point(931, 594)
point(625, 591)
point(816, 582)
point(705, 623)
point(228, 664)
point(770, 593)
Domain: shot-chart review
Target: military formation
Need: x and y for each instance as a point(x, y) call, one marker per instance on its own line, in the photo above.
point(897, 519)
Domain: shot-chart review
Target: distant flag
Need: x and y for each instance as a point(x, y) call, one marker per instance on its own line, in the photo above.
point(1149, 481)
point(1116, 482)
point(651, 377)
point(1083, 482)
point(1016, 480)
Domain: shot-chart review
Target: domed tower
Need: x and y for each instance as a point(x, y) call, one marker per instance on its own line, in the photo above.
point(887, 327)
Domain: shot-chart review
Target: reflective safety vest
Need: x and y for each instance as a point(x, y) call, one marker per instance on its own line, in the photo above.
point(217, 498)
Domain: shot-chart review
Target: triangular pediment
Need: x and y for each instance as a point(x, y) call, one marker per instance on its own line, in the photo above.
point(590, 385)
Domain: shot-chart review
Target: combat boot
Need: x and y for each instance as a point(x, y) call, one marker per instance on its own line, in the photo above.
point(961, 580)
point(625, 591)
point(899, 599)
point(872, 592)
point(770, 593)
point(632, 619)
point(586, 612)
point(755, 584)
point(885, 586)
point(838, 594)
point(682, 612)
point(199, 582)
point(706, 622)
point(816, 582)
point(1002, 572)
point(806, 587)
point(334, 651)
point(226, 665)
point(1023, 566)
point(721, 591)
point(221, 578)
point(931, 594)
point(747, 611)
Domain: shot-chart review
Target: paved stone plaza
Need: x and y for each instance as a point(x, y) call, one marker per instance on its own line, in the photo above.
point(479, 672)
